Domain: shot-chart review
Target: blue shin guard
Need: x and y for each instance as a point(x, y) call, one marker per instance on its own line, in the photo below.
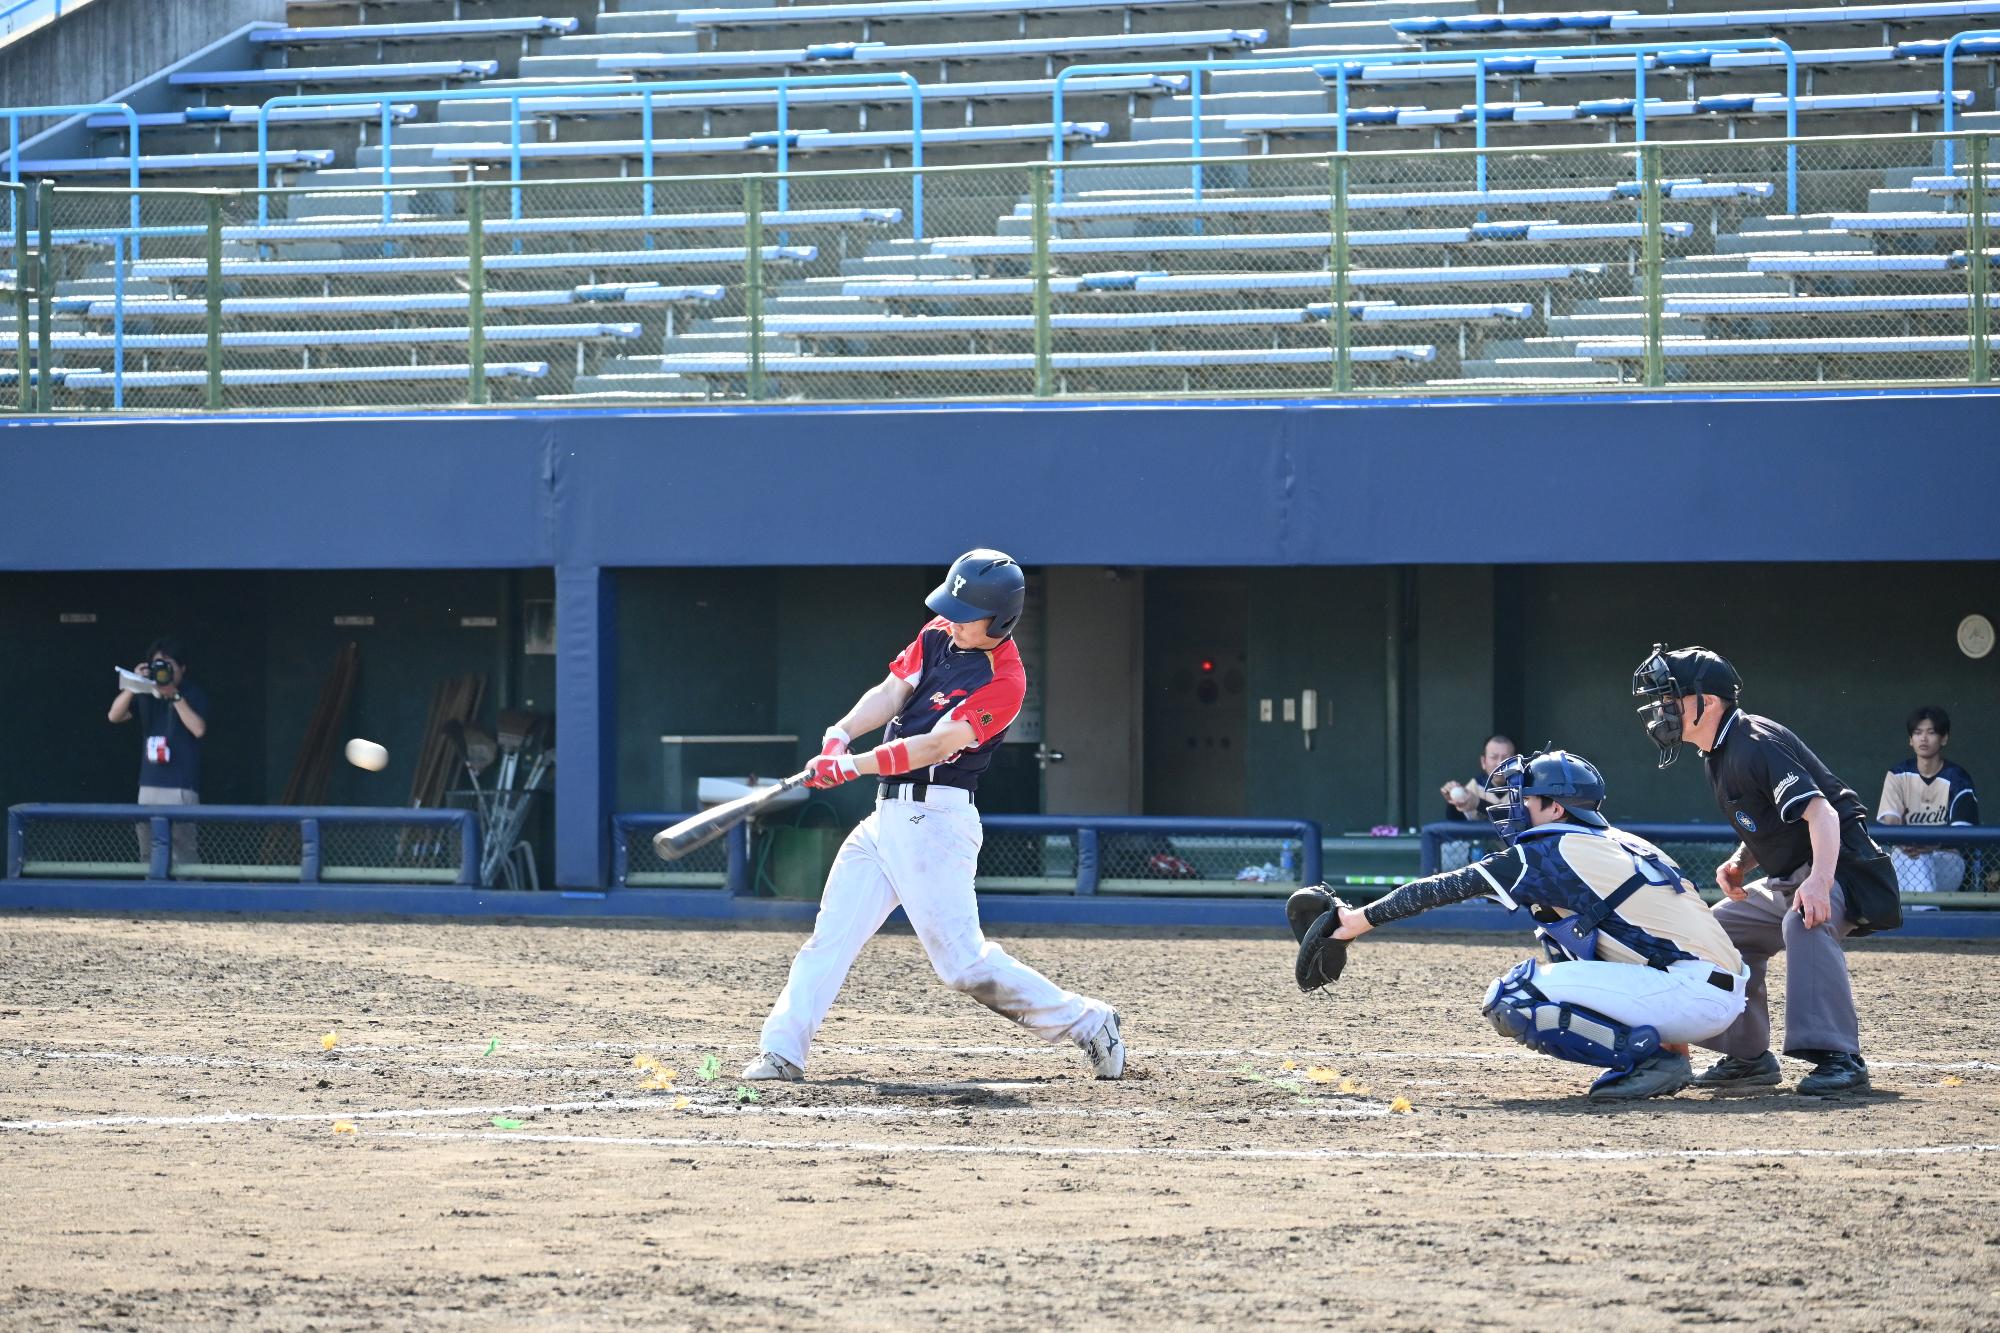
point(1517, 1008)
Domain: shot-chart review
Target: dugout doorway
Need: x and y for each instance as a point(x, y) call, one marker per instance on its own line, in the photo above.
point(1196, 678)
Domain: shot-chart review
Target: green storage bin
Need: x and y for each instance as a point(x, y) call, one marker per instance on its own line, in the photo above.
point(795, 860)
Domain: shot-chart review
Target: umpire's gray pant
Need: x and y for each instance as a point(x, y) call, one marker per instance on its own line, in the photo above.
point(1819, 1000)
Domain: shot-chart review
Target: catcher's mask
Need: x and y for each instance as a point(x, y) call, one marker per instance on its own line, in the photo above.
point(1666, 677)
point(1555, 774)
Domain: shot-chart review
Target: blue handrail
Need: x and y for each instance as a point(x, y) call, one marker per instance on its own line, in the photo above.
point(780, 84)
point(309, 818)
point(15, 115)
point(1319, 64)
point(1951, 48)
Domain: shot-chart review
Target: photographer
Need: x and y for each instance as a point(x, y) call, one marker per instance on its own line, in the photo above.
point(172, 725)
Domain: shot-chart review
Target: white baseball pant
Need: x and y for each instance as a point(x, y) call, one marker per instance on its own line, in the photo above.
point(921, 855)
point(1680, 1003)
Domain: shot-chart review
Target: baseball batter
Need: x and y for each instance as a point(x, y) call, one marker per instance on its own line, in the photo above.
point(947, 702)
point(1636, 963)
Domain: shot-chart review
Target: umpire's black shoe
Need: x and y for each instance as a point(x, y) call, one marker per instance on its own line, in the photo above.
point(1836, 1072)
point(1730, 1072)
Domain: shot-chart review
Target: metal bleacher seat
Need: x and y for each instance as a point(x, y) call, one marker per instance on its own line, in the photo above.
point(1842, 307)
point(1086, 208)
point(1949, 225)
point(155, 164)
point(371, 229)
point(970, 93)
point(348, 376)
point(1886, 18)
point(735, 365)
point(843, 55)
point(310, 339)
point(870, 12)
point(1728, 107)
point(1630, 350)
point(384, 35)
point(810, 328)
point(1477, 234)
point(155, 308)
point(422, 73)
point(1426, 30)
point(729, 258)
point(197, 117)
point(796, 141)
point(1484, 27)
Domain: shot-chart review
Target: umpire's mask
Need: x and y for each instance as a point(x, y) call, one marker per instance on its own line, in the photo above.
point(1665, 677)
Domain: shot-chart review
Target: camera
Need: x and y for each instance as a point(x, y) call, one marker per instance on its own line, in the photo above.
point(160, 671)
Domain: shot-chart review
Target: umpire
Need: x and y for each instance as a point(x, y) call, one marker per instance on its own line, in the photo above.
point(1824, 876)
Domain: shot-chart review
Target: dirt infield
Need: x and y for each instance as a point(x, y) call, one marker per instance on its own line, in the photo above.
point(170, 1157)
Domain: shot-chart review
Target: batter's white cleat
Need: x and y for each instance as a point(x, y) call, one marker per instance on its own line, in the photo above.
point(767, 1067)
point(1106, 1050)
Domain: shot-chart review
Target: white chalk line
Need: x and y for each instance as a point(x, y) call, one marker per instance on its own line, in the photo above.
point(1207, 1154)
point(1344, 1110)
point(335, 1061)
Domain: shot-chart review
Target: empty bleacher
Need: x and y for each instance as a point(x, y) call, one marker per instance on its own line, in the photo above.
point(1497, 269)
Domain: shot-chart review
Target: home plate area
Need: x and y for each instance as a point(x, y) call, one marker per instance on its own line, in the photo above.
point(347, 1125)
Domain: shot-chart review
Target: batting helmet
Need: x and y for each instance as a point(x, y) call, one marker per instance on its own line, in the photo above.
point(982, 583)
point(1555, 774)
point(1666, 677)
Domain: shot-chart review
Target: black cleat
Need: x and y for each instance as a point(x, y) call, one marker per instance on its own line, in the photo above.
point(1730, 1072)
point(1661, 1076)
point(1836, 1072)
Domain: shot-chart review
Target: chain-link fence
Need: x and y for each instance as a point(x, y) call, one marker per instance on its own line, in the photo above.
point(1673, 263)
point(237, 843)
point(85, 848)
point(1020, 861)
point(1036, 860)
point(704, 867)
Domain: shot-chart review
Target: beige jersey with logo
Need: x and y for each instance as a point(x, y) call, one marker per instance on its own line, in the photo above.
point(1657, 909)
point(1946, 797)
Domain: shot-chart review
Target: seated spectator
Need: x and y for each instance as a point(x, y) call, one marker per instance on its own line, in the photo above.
point(1466, 800)
point(1926, 789)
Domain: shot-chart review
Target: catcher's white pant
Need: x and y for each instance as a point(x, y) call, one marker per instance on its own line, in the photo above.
point(1680, 1003)
point(921, 855)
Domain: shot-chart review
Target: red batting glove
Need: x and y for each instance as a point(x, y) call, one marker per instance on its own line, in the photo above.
point(830, 770)
point(834, 742)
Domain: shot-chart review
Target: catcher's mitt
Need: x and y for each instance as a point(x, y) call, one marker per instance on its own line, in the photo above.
point(1313, 918)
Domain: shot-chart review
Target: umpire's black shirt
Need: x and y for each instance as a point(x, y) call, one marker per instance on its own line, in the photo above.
point(1764, 778)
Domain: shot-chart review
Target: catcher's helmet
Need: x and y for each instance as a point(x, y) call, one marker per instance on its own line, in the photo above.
point(1555, 774)
point(1666, 677)
point(979, 584)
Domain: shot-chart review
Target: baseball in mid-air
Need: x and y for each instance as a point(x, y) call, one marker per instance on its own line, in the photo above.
point(367, 754)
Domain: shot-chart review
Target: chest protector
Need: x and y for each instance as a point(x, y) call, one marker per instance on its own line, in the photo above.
point(1574, 938)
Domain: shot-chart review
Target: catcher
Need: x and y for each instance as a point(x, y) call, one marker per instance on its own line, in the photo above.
point(1636, 964)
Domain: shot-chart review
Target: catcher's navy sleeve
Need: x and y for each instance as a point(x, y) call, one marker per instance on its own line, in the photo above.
point(1495, 876)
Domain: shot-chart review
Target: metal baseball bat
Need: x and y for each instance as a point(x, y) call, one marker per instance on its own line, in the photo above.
point(698, 830)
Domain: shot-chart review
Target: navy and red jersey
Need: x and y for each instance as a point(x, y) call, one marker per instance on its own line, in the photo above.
point(981, 687)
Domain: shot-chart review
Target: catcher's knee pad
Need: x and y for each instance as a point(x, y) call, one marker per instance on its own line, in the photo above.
point(1517, 1008)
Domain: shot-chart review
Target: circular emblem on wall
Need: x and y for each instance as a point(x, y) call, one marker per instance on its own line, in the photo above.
point(1747, 824)
point(1975, 636)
